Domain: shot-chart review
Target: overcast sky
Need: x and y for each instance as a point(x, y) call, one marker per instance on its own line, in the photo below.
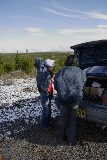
point(50, 25)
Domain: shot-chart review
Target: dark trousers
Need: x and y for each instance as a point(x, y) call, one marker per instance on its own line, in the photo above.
point(68, 122)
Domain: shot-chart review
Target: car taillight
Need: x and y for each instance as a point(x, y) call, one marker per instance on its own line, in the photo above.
point(104, 95)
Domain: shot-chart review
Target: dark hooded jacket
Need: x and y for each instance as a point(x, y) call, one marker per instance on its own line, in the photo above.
point(43, 75)
point(69, 82)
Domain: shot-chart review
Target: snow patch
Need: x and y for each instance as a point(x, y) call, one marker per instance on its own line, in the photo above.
point(20, 106)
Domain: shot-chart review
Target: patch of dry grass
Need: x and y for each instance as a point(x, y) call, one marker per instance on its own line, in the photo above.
point(8, 78)
point(28, 89)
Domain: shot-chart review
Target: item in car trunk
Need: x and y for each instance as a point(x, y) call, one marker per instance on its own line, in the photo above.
point(105, 96)
point(93, 91)
point(100, 90)
point(86, 90)
point(96, 85)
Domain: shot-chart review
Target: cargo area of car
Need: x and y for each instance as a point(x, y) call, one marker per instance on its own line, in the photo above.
point(94, 89)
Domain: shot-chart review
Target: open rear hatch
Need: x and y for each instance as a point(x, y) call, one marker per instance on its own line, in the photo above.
point(91, 53)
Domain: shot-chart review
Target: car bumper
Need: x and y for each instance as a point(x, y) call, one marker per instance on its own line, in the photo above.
point(94, 112)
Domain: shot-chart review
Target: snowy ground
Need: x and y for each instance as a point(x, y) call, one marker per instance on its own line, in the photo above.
point(19, 102)
point(20, 89)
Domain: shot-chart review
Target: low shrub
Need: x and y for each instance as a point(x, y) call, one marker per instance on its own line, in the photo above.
point(1, 66)
point(9, 65)
point(27, 64)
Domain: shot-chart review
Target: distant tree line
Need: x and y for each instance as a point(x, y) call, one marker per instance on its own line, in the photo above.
point(25, 62)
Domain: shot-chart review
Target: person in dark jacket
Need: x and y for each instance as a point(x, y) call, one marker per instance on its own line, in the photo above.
point(44, 85)
point(68, 83)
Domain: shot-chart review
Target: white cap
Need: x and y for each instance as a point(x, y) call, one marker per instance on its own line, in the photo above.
point(49, 63)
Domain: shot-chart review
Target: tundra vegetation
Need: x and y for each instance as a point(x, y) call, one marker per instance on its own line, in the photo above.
point(24, 62)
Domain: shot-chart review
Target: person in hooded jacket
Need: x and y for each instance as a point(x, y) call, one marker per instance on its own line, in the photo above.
point(45, 88)
point(69, 82)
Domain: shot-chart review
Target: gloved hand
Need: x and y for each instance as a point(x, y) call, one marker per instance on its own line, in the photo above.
point(75, 107)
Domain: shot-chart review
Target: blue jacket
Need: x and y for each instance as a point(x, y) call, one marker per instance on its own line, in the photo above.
point(69, 81)
point(43, 76)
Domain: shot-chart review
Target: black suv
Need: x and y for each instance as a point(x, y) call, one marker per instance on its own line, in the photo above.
point(93, 59)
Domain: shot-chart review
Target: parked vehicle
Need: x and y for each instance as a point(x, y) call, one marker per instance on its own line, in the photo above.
point(93, 59)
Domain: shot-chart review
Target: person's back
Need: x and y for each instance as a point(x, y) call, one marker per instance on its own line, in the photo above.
point(43, 76)
point(70, 82)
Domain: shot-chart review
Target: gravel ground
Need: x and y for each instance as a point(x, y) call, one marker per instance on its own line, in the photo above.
point(38, 144)
point(45, 145)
